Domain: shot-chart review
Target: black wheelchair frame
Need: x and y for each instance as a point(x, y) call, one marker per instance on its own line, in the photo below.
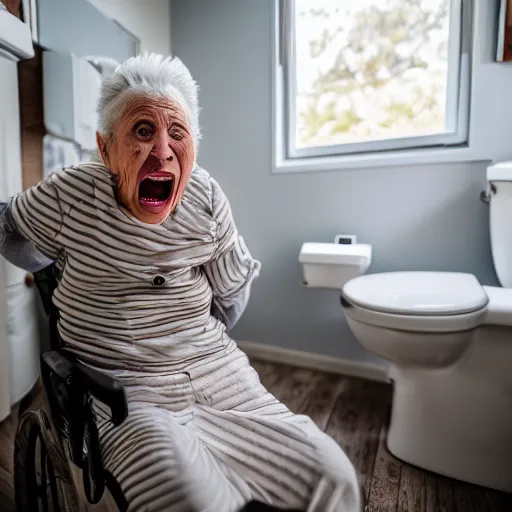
point(70, 431)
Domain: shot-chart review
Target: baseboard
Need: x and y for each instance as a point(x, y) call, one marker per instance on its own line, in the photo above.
point(348, 367)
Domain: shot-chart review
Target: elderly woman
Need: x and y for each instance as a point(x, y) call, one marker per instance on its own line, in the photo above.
point(153, 273)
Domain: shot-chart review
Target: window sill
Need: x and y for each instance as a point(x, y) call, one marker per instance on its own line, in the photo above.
point(371, 161)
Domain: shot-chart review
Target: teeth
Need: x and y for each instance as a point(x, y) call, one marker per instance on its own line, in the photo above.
point(152, 201)
point(159, 178)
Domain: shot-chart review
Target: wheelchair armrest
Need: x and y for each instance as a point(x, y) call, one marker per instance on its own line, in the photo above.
point(106, 389)
point(102, 387)
point(57, 363)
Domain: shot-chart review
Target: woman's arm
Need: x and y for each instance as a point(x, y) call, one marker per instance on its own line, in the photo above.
point(232, 268)
point(15, 248)
point(30, 225)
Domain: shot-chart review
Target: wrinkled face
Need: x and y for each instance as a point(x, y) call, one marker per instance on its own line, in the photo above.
point(151, 152)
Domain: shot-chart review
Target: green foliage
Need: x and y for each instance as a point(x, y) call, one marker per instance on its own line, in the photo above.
point(345, 121)
point(385, 60)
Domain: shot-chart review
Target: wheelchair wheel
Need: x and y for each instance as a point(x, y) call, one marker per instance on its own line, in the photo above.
point(43, 481)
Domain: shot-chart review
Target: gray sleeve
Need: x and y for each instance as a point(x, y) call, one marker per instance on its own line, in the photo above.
point(229, 314)
point(37, 215)
point(15, 248)
point(232, 269)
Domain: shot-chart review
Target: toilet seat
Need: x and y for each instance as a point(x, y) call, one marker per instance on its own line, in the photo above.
point(417, 301)
point(417, 323)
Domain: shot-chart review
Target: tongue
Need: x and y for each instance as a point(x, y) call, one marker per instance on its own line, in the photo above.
point(154, 190)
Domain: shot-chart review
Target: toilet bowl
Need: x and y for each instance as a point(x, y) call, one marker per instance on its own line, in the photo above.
point(424, 319)
point(448, 340)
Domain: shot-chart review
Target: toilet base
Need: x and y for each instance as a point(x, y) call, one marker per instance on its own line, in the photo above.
point(453, 422)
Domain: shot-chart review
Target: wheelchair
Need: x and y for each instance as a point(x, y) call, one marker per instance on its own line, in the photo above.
point(52, 442)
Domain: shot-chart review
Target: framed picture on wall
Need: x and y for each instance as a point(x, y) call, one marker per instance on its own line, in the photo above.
point(13, 6)
point(25, 10)
point(504, 43)
point(28, 10)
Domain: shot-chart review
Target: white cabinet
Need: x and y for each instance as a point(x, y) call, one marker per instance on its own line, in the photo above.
point(10, 144)
point(19, 335)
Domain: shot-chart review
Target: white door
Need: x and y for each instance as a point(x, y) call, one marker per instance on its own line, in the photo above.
point(9, 137)
point(5, 393)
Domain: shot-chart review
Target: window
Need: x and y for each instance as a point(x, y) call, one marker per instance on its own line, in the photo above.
point(361, 77)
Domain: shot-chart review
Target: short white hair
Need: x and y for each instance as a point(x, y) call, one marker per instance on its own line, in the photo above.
point(150, 75)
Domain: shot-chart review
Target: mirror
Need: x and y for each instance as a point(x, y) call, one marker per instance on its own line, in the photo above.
point(86, 30)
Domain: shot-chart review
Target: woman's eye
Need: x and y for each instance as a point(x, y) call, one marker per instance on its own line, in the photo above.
point(176, 135)
point(144, 131)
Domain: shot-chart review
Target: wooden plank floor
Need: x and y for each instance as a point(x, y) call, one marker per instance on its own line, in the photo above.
point(355, 413)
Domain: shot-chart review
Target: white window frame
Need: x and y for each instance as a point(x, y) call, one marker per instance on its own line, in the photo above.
point(452, 145)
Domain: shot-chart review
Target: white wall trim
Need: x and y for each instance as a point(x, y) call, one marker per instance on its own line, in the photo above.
point(347, 367)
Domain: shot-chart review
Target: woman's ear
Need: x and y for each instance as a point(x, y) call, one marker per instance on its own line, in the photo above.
point(102, 147)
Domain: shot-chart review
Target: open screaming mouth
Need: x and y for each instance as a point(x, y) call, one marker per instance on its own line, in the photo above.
point(155, 190)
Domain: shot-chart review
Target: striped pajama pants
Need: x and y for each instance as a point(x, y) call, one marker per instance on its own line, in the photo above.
point(211, 438)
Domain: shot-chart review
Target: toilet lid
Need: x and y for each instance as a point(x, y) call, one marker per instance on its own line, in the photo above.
point(417, 293)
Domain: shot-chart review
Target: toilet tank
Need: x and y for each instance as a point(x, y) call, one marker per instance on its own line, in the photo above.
point(499, 177)
point(327, 265)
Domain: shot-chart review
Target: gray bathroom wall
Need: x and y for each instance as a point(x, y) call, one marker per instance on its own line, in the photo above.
point(421, 218)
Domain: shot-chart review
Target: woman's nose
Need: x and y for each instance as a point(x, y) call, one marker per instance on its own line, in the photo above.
point(163, 149)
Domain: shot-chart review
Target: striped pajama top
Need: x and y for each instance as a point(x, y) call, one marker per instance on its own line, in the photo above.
point(132, 295)
point(149, 305)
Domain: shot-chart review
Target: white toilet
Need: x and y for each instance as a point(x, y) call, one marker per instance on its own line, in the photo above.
point(449, 342)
